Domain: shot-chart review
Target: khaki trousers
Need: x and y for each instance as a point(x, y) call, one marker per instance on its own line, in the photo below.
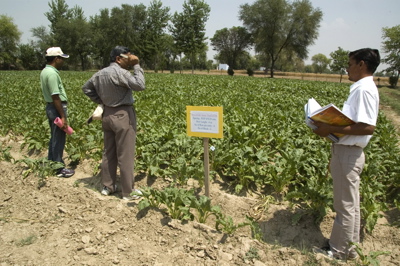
point(346, 165)
point(119, 127)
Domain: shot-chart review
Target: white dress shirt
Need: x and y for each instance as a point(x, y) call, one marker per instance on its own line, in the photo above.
point(362, 106)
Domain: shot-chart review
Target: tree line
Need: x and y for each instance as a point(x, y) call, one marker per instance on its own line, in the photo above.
point(278, 31)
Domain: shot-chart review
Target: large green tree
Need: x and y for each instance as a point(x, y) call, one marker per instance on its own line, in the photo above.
point(289, 62)
point(59, 13)
point(279, 25)
point(29, 57)
point(320, 63)
point(391, 46)
point(231, 44)
point(43, 39)
point(121, 26)
point(154, 37)
point(71, 31)
point(77, 38)
point(170, 53)
point(339, 62)
point(102, 41)
point(128, 26)
point(188, 29)
point(9, 39)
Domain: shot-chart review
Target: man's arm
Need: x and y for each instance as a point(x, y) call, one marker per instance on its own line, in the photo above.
point(136, 81)
point(89, 90)
point(324, 130)
point(57, 103)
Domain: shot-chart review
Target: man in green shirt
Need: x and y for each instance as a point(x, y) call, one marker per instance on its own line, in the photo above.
point(56, 99)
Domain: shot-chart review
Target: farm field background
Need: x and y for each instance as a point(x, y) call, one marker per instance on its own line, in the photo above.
point(268, 166)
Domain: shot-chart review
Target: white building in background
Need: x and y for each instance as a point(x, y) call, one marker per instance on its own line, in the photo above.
point(223, 67)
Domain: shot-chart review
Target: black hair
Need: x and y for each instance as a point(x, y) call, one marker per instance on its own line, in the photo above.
point(50, 59)
point(370, 56)
point(117, 51)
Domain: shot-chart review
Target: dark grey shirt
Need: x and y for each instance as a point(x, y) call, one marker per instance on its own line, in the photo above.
point(113, 85)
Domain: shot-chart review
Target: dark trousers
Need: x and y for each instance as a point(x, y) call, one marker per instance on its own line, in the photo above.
point(119, 127)
point(57, 136)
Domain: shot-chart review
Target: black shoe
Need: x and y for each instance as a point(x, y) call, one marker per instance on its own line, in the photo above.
point(65, 173)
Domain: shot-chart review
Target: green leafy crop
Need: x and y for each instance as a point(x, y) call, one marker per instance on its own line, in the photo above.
point(266, 145)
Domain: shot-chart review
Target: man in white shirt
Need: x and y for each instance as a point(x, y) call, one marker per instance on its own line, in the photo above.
point(347, 156)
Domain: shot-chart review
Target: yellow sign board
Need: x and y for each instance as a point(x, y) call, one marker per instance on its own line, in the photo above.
point(204, 121)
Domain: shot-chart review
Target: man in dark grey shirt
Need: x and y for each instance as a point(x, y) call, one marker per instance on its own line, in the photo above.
point(112, 86)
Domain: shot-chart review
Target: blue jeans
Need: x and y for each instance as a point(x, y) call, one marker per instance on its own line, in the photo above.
point(57, 136)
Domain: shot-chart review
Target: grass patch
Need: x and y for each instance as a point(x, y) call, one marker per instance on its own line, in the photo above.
point(252, 254)
point(390, 97)
point(26, 241)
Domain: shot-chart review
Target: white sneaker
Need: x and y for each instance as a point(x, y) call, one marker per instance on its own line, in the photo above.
point(329, 254)
point(106, 191)
point(137, 195)
point(325, 251)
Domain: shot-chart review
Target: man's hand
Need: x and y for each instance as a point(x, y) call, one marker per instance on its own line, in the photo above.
point(58, 104)
point(322, 129)
point(65, 123)
point(133, 59)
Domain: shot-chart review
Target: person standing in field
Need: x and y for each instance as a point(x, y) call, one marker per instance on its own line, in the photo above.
point(112, 87)
point(347, 156)
point(56, 98)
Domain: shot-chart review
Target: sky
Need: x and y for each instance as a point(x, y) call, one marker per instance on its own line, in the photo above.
point(349, 24)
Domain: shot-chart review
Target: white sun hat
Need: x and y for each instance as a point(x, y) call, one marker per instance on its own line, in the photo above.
point(56, 51)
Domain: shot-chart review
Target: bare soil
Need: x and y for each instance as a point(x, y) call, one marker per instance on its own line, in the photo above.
point(68, 222)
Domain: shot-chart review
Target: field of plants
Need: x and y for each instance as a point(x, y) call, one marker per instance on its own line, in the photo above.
point(266, 148)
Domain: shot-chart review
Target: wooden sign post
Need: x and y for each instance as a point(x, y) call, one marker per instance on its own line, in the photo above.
point(206, 122)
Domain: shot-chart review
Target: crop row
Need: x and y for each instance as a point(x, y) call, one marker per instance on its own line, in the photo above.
point(266, 144)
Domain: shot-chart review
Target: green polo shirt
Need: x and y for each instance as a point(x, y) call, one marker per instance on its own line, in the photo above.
point(51, 84)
